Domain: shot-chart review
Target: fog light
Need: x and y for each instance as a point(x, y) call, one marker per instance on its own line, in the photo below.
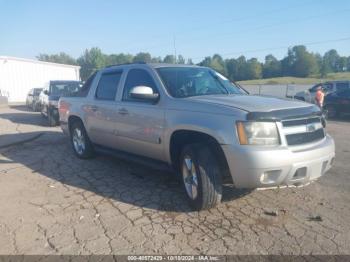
point(300, 173)
point(270, 177)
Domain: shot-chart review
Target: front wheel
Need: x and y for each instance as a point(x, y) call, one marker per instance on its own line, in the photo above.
point(51, 119)
point(201, 176)
point(80, 141)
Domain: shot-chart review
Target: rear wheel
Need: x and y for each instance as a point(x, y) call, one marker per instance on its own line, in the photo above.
point(201, 176)
point(80, 141)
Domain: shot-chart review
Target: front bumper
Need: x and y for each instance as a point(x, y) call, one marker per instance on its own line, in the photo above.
point(259, 167)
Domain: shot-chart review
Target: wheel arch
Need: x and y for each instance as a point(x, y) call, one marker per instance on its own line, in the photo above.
point(72, 119)
point(180, 138)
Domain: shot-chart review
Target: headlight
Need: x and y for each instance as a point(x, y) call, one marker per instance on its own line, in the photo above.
point(257, 133)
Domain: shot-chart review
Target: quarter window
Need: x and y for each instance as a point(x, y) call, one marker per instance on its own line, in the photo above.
point(137, 77)
point(108, 85)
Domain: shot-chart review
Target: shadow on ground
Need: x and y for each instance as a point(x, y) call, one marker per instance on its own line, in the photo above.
point(28, 118)
point(51, 156)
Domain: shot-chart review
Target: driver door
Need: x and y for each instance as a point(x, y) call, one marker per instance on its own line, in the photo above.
point(140, 126)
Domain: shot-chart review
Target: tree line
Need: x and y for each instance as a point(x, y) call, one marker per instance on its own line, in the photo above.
point(298, 62)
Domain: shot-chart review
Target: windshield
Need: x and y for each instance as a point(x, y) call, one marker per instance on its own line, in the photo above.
point(64, 88)
point(37, 91)
point(192, 81)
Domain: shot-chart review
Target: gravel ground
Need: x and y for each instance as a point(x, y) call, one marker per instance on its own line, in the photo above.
point(53, 203)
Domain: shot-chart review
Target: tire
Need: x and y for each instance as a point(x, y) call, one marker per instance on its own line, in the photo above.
point(42, 111)
point(331, 111)
point(34, 107)
point(51, 119)
point(201, 176)
point(80, 141)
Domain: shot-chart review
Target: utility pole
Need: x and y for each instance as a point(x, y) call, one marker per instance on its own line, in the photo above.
point(175, 49)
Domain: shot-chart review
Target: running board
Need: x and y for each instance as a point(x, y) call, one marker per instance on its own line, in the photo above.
point(129, 157)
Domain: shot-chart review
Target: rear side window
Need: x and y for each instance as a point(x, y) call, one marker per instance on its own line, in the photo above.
point(108, 85)
point(342, 86)
point(137, 77)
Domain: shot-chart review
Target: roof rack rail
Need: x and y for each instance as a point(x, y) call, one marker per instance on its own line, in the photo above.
point(137, 62)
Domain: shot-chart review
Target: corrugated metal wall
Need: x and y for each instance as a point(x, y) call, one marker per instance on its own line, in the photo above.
point(18, 76)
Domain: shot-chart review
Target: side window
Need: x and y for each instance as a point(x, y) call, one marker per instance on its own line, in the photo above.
point(328, 87)
point(108, 85)
point(314, 88)
point(342, 86)
point(137, 77)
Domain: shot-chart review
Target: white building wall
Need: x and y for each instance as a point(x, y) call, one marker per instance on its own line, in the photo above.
point(18, 76)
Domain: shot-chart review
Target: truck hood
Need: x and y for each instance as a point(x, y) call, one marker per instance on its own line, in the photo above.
point(251, 103)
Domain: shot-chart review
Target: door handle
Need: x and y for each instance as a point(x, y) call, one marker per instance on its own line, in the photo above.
point(123, 111)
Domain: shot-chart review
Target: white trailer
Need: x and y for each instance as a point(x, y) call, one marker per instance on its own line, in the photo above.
point(19, 75)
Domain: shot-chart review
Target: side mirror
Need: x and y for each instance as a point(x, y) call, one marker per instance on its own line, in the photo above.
point(144, 93)
point(46, 92)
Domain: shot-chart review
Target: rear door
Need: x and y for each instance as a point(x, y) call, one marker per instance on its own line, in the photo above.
point(140, 126)
point(342, 86)
point(344, 101)
point(101, 111)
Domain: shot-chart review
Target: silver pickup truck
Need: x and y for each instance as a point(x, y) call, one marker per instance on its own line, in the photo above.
point(206, 128)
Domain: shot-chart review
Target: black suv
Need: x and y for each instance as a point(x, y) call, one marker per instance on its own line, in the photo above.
point(337, 103)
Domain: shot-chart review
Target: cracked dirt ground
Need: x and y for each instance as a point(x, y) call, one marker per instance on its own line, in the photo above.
point(53, 203)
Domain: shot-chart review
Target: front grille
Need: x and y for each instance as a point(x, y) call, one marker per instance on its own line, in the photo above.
point(303, 121)
point(302, 131)
point(304, 138)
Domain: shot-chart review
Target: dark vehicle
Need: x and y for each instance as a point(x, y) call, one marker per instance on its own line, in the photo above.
point(51, 94)
point(337, 103)
point(328, 87)
point(32, 100)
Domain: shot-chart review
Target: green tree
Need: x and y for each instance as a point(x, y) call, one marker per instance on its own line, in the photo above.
point(180, 59)
point(169, 59)
point(231, 68)
point(272, 67)
point(216, 62)
point(253, 69)
point(157, 59)
point(142, 57)
point(300, 62)
point(331, 60)
point(115, 59)
point(241, 68)
point(342, 63)
point(61, 58)
point(92, 60)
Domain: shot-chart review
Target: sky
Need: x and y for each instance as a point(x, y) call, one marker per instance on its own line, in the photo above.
point(196, 28)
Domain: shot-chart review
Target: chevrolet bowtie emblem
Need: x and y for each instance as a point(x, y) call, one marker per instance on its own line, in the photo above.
point(310, 127)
